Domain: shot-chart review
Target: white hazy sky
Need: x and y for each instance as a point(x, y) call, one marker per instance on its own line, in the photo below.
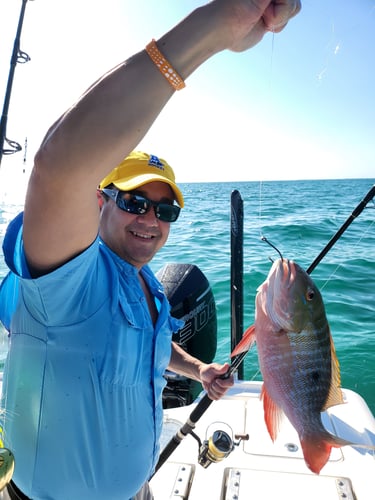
point(298, 106)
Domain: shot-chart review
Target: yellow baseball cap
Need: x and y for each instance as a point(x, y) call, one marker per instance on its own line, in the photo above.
point(140, 168)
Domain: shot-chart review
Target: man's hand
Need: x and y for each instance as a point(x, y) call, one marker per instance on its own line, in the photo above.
point(247, 21)
point(215, 386)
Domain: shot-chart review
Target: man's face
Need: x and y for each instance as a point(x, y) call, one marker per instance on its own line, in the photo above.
point(136, 238)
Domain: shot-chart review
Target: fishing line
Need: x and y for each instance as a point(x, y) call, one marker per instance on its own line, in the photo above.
point(255, 375)
point(260, 208)
point(354, 247)
point(270, 81)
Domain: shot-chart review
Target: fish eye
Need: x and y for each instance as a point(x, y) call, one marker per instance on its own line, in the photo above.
point(310, 294)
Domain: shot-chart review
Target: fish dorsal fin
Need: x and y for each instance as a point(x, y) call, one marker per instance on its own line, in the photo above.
point(272, 413)
point(335, 394)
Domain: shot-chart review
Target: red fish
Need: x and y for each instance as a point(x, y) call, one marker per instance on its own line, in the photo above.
point(297, 359)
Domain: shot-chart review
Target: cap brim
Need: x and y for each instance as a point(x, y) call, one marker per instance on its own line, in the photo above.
point(136, 181)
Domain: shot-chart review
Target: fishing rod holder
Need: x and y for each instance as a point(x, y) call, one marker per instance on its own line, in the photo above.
point(218, 445)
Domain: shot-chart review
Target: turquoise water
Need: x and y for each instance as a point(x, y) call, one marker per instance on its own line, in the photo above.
point(299, 217)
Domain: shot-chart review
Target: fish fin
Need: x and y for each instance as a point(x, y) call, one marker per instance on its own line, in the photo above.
point(317, 449)
point(335, 396)
point(248, 339)
point(315, 453)
point(272, 413)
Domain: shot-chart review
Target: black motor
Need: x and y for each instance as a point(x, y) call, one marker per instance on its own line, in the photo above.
point(192, 300)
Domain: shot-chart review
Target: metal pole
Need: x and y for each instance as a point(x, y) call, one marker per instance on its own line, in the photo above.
point(236, 271)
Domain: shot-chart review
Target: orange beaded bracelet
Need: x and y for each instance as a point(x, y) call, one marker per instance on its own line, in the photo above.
point(169, 73)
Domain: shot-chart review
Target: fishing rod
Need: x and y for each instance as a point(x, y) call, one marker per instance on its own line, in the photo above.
point(195, 415)
point(18, 56)
point(236, 360)
point(358, 210)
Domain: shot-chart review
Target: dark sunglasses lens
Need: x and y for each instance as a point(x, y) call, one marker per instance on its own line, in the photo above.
point(167, 213)
point(133, 204)
point(138, 205)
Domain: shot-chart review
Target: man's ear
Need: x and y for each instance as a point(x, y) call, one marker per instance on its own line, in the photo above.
point(100, 198)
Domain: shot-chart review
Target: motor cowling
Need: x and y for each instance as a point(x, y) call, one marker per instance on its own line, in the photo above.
point(192, 300)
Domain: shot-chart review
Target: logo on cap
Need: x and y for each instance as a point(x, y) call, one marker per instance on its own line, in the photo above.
point(155, 162)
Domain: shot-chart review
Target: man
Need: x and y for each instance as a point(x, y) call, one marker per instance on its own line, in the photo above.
point(91, 335)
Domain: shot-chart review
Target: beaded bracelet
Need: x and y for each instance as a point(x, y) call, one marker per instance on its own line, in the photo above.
point(169, 73)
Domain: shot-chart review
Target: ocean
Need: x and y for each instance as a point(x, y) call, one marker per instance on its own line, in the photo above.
point(299, 218)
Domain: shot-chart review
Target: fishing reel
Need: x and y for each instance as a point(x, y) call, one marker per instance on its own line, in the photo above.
point(218, 445)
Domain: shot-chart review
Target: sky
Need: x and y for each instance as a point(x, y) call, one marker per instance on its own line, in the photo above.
point(299, 105)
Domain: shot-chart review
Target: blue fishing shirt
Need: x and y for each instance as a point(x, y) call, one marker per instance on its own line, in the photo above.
point(84, 377)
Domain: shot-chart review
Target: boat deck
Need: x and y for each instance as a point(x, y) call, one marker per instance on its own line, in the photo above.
point(258, 468)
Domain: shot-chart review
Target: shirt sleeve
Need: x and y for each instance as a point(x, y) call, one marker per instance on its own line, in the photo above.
point(69, 294)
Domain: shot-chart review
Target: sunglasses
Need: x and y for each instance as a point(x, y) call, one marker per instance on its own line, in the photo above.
point(139, 205)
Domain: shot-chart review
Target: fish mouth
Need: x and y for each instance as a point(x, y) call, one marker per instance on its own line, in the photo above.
point(285, 269)
point(288, 272)
point(275, 292)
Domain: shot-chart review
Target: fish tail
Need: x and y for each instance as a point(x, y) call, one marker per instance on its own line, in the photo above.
point(317, 449)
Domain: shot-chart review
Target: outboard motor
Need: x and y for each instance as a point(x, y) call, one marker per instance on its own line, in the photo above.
point(192, 300)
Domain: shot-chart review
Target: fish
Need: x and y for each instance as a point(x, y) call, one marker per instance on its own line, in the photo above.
point(297, 359)
point(6, 467)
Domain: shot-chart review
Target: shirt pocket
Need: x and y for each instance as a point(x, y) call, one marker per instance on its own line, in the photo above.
point(128, 358)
